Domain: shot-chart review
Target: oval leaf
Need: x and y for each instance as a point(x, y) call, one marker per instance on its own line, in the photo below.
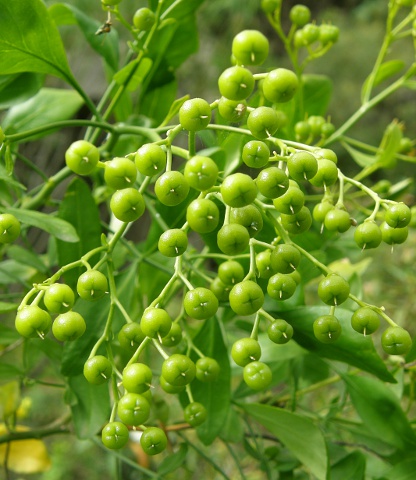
point(55, 226)
point(297, 433)
point(33, 43)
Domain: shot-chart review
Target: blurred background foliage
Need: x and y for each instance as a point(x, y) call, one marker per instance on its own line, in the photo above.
point(390, 279)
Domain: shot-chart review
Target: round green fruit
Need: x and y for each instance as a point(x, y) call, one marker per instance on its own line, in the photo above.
point(82, 157)
point(9, 228)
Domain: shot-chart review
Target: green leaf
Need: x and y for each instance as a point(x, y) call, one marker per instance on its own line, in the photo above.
point(67, 14)
point(55, 226)
point(352, 348)
point(233, 428)
point(360, 158)
point(380, 411)
point(173, 461)
point(351, 467)
point(26, 257)
point(18, 87)
point(174, 109)
point(30, 41)
point(79, 210)
point(155, 103)
point(13, 272)
point(8, 372)
point(4, 308)
point(385, 71)
point(133, 73)
point(215, 396)
point(90, 406)
point(389, 146)
point(48, 106)
point(317, 91)
point(297, 433)
point(402, 471)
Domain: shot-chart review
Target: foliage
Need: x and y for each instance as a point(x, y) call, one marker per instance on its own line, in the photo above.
point(190, 279)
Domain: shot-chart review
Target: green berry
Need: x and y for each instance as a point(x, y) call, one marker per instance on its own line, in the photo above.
point(195, 414)
point(263, 122)
point(280, 332)
point(257, 375)
point(150, 159)
point(298, 223)
point(327, 328)
point(68, 326)
point(368, 235)
point(9, 228)
point(302, 166)
point(281, 286)
point(333, 289)
point(201, 172)
point(202, 215)
point(236, 83)
point(200, 303)
point(82, 157)
point(127, 204)
point(195, 114)
point(153, 440)
point(272, 182)
point(238, 190)
point(250, 47)
point(280, 85)
point(255, 154)
point(32, 321)
point(233, 239)
point(59, 298)
point(144, 19)
point(173, 242)
point(398, 216)
point(155, 322)
point(396, 341)
point(300, 15)
point(120, 173)
point(365, 320)
point(248, 216)
point(232, 110)
point(245, 350)
point(337, 220)
point(171, 188)
point(207, 369)
point(246, 298)
point(137, 378)
point(92, 285)
point(115, 435)
point(97, 370)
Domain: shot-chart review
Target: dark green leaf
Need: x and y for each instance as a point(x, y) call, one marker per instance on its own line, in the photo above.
point(390, 145)
point(26, 257)
point(13, 272)
point(4, 308)
point(317, 90)
point(360, 158)
point(55, 226)
point(351, 467)
point(174, 109)
point(380, 410)
point(78, 209)
point(8, 372)
point(297, 433)
point(90, 406)
point(402, 471)
point(215, 396)
point(233, 428)
point(385, 71)
point(17, 88)
point(30, 41)
point(49, 105)
point(107, 47)
point(352, 347)
point(155, 104)
point(173, 461)
point(133, 73)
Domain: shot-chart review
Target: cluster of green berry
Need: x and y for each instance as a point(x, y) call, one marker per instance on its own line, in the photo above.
point(234, 207)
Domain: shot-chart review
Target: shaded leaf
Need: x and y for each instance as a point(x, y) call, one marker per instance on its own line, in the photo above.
point(26, 257)
point(215, 396)
point(79, 210)
point(297, 433)
point(67, 14)
point(90, 406)
point(8, 372)
point(49, 105)
point(174, 110)
point(317, 91)
point(4, 308)
point(57, 227)
point(30, 41)
point(375, 403)
point(352, 348)
point(133, 73)
point(390, 145)
point(173, 461)
point(18, 87)
point(402, 471)
point(385, 71)
point(360, 158)
point(155, 104)
point(351, 467)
